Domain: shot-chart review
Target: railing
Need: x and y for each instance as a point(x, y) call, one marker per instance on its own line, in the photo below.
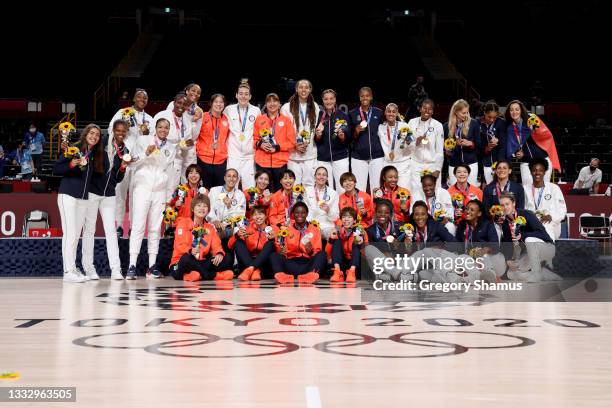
point(105, 91)
point(69, 117)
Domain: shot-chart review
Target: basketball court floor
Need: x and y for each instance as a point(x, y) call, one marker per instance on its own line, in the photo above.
point(174, 344)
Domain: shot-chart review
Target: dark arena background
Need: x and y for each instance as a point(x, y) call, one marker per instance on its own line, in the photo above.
point(434, 230)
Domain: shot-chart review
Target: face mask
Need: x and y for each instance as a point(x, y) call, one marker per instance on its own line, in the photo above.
point(32, 130)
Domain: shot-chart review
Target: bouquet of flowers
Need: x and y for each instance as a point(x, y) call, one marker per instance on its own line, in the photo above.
point(181, 191)
point(337, 125)
point(497, 213)
point(281, 236)
point(72, 152)
point(298, 192)
point(238, 222)
point(457, 200)
point(358, 233)
point(493, 166)
point(405, 136)
point(315, 223)
point(439, 215)
point(534, 122)
point(408, 230)
point(128, 114)
point(198, 236)
point(425, 172)
point(475, 252)
point(403, 196)
point(519, 223)
point(304, 137)
point(450, 144)
point(66, 129)
point(253, 195)
point(266, 136)
point(169, 215)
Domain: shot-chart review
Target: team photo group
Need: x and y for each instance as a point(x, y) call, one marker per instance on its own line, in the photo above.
point(302, 190)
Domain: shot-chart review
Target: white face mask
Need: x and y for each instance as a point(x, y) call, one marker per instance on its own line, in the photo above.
point(32, 130)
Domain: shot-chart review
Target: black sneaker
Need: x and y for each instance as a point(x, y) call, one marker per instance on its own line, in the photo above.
point(154, 272)
point(120, 232)
point(131, 273)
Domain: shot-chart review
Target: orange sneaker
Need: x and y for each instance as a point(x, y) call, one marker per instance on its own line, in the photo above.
point(310, 277)
point(283, 278)
point(192, 276)
point(338, 276)
point(256, 276)
point(224, 275)
point(246, 274)
point(350, 275)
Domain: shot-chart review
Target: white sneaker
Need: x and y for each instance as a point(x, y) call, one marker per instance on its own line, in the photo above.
point(74, 277)
point(92, 274)
point(116, 275)
point(80, 272)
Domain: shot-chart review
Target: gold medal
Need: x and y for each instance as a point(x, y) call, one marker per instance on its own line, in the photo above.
point(242, 137)
point(424, 141)
point(392, 156)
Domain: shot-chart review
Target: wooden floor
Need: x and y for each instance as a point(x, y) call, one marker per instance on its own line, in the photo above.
point(172, 344)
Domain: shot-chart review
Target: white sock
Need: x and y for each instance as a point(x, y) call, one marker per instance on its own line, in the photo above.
point(152, 259)
point(133, 259)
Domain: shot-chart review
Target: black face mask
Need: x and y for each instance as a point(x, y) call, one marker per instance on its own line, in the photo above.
point(592, 168)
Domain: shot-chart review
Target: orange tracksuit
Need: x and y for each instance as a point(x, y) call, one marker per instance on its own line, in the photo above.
point(472, 193)
point(204, 145)
point(347, 243)
point(293, 243)
point(255, 240)
point(185, 210)
point(344, 200)
point(284, 136)
point(391, 195)
point(279, 204)
point(259, 201)
point(183, 240)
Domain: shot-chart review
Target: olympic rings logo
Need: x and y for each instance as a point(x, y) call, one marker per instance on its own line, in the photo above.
point(435, 339)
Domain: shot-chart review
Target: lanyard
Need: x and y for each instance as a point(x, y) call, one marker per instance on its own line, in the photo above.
point(499, 190)
point(517, 133)
point(325, 195)
point(119, 151)
point(273, 125)
point(468, 233)
point(458, 131)
point(179, 127)
point(214, 122)
point(159, 143)
point(395, 128)
point(302, 230)
point(465, 192)
point(303, 116)
point(422, 236)
point(243, 121)
point(387, 232)
point(363, 116)
point(539, 200)
point(431, 209)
